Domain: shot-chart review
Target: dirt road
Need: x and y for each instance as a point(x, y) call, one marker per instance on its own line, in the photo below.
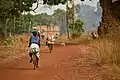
point(52, 66)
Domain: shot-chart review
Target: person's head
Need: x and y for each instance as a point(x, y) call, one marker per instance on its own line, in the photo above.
point(34, 33)
point(50, 33)
point(92, 33)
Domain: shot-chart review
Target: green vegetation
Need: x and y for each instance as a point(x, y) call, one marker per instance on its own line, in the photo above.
point(54, 2)
point(76, 28)
point(12, 9)
point(8, 41)
point(12, 20)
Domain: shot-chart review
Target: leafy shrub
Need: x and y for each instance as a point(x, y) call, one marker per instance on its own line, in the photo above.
point(76, 29)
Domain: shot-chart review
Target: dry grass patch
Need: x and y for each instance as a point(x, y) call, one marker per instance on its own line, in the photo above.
point(83, 39)
point(107, 52)
point(18, 49)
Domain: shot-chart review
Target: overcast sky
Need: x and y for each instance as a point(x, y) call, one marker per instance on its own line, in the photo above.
point(50, 11)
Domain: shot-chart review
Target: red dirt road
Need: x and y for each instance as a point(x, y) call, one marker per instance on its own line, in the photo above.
point(52, 66)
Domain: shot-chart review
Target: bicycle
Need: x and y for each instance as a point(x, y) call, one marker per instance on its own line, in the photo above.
point(50, 43)
point(35, 58)
point(35, 62)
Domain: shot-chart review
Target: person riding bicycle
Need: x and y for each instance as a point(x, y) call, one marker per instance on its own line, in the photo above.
point(50, 40)
point(34, 46)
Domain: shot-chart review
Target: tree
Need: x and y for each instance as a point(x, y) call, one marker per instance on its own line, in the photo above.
point(78, 28)
point(109, 24)
point(15, 7)
point(58, 15)
point(60, 19)
point(11, 9)
point(54, 2)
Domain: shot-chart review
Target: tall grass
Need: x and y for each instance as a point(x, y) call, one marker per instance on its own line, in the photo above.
point(107, 52)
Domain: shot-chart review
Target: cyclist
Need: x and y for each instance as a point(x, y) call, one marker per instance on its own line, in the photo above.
point(93, 35)
point(34, 46)
point(50, 41)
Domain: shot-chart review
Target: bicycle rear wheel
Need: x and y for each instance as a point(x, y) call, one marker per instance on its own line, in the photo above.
point(34, 61)
point(51, 48)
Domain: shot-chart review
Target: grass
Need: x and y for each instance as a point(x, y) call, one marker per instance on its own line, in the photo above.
point(84, 39)
point(107, 52)
point(18, 49)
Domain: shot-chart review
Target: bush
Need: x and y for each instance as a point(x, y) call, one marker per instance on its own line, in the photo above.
point(76, 29)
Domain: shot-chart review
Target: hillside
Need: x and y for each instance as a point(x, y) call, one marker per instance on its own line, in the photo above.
point(89, 16)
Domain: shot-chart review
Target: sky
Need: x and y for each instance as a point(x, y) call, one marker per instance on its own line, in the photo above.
point(49, 11)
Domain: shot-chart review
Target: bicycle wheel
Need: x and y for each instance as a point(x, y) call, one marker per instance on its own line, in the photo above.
point(51, 48)
point(34, 61)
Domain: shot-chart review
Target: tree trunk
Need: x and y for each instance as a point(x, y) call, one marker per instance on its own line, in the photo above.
point(30, 26)
point(73, 16)
point(47, 30)
point(14, 24)
point(1, 29)
point(109, 19)
point(5, 28)
point(68, 34)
